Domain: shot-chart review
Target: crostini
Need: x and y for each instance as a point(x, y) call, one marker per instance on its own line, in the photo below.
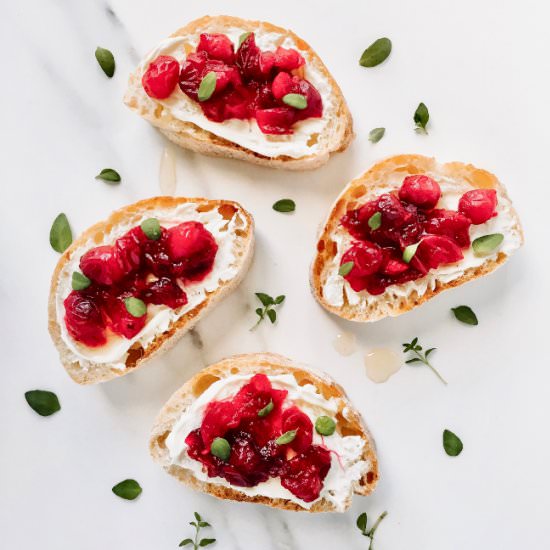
point(129, 287)
point(259, 428)
point(249, 90)
point(408, 229)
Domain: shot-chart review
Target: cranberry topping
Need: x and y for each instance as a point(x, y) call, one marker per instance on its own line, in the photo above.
point(255, 456)
point(161, 77)
point(152, 270)
point(450, 224)
point(479, 205)
point(421, 191)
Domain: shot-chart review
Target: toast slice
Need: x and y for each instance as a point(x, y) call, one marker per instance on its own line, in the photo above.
point(348, 422)
point(233, 229)
point(334, 293)
point(214, 139)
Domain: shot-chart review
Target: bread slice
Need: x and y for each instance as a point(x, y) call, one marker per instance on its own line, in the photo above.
point(383, 177)
point(349, 422)
point(335, 136)
point(227, 215)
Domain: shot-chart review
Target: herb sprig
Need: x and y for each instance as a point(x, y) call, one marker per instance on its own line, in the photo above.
point(362, 526)
point(196, 542)
point(420, 357)
point(268, 310)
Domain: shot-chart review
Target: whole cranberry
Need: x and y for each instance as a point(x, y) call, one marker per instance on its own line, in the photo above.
point(166, 292)
point(161, 77)
point(120, 320)
point(288, 59)
point(479, 205)
point(451, 224)
point(295, 419)
point(367, 258)
point(83, 319)
point(217, 46)
point(278, 120)
point(189, 240)
point(420, 190)
point(101, 265)
point(436, 250)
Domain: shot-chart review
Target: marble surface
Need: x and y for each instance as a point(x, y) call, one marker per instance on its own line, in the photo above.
point(482, 69)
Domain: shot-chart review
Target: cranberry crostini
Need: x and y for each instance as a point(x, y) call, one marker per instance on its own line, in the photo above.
point(408, 229)
point(229, 87)
point(131, 286)
point(259, 428)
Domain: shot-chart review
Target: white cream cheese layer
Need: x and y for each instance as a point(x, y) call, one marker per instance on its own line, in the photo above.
point(346, 468)
point(336, 287)
point(246, 132)
point(115, 352)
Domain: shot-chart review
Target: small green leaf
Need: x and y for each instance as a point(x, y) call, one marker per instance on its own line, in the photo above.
point(242, 38)
point(220, 447)
point(197, 516)
point(298, 101)
point(465, 315)
point(109, 175)
point(375, 221)
point(106, 61)
point(345, 268)
point(185, 542)
point(80, 281)
point(279, 300)
point(287, 437)
point(135, 307)
point(266, 299)
point(325, 425)
point(204, 524)
point(151, 228)
point(207, 86)
point(409, 253)
point(376, 134)
point(262, 413)
point(260, 312)
point(428, 351)
point(61, 235)
point(414, 341)
point(376, 53)
point(43, 402)
point(285, 205)
point(487, 244)
point(206, 542)
point(272, 314)
point(128, 489)
point(362, 522)
point(413, 360)
point(421, 117)
point(452, 443)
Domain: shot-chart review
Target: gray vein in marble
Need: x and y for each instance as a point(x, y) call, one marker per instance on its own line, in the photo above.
point(279, 531)
point(196, 339)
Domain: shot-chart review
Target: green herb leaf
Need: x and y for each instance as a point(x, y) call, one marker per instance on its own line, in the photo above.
point(242, 38)
point(128, 489)
point(185, 542)
point(262, 413)
point(487, 244)
point(285, 205)
point(465, 315)
point(109, 175)
point(413, 360)
point(362, 522)
point(260, 312)
point(43, 402)
point(80, 281)
point(428, 351)
point(375, 221)
point(269, 303)
point(106, 61)
point(135, 307)
point(220, 447)
point(204, 524)
point(421, 117)
point(151, 228)
point(61, 235)
point(376, 134)
point(409, 252)
point(272, 314)
point(207, 86)
point(206, 542)
point(266, 299)
point(197, 516)
point(345, 268)
point(416, 349)
point(279, 300)
point(376, 53)
point(298, 101)
point(287, 437)
point(451, 443)
point(325, 425)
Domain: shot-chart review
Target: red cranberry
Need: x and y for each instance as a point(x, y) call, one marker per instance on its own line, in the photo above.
point(450, 224)
point(394, 214)
point(217, 46)
point(244, 454)
point(84, 320)
point(281, 85)
point(288, 59)
point(248, 58)
point(219, 417)
point(278, 120)
point(367, 258)
point(120, 320)
point(435, 250)
point(395, 267)
point(128, 250)
point(420, 190)
point(161, 77)
point(101, 265)
point(166, 292)
point(295, 419)
point(479, 205)
point(191, 74)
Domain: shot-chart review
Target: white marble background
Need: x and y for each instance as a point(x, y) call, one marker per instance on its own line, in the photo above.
point(482, 68)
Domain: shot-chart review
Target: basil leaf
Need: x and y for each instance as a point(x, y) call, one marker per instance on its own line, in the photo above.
point(266, 299)
point(106, 61)
point(272, 314)
point(61, 235)
point(279, 300)
point(465, 315)
point(487, 244)
point(376, 134)
point(135, 307)
point(287, 437)
point(362, 522)
point(325, 425)
point(375, 221)
point(207, 86)
point(242, 38)
point(298, 101)
point(220, 448)
point(262, 413)
point(285, 205)
point(128, 489)
point(451, 443)
point(43, 402)
point(421, 117)
point(109, 175)
point(151, 228)
point(345, 268)
point(80, 281)
point(185, 542)
point(376, 53)
point(409, 252)
point(206, 542)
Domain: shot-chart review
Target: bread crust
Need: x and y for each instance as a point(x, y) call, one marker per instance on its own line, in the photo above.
point(375, 177)
point(190, 136)
point(270, 364)
point(243, 248)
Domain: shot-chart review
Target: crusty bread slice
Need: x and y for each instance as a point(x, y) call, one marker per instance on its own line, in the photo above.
point(349, 422)
point(127, 217)
point(336, 136)
point(383, 177)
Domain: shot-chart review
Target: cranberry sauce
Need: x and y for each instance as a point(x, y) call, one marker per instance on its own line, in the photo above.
point(150, 268)
point(249, 83)
point(401, 236)
point(255, 455)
